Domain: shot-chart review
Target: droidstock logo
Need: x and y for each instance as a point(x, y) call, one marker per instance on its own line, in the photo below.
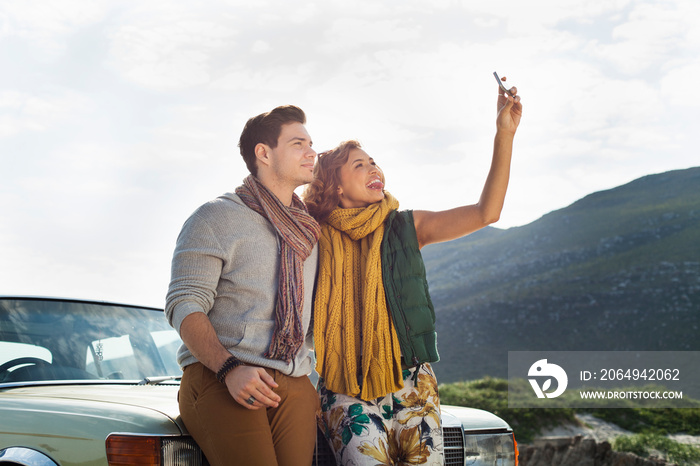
point(542, 369)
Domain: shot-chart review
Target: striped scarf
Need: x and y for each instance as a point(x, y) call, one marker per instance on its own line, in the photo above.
point(299, 233)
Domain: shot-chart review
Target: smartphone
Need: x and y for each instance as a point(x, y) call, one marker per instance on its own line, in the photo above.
point(502, 86)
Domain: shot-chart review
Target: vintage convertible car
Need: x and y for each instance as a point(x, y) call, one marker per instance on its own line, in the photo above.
point(95, 383)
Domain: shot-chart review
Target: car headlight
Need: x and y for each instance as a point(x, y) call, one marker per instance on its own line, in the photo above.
point(490, 449)
point(479, 449)
point(124, 449)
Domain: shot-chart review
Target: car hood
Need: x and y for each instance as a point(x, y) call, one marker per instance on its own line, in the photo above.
point(472, 419)
point(142, 407)
point(135, 407)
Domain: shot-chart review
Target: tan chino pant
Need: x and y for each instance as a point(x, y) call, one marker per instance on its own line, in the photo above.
point(230, 434)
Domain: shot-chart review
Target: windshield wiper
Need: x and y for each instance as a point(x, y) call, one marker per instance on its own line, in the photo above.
point(159, 379)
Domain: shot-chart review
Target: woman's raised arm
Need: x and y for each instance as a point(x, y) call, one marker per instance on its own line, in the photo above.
point(435, 227)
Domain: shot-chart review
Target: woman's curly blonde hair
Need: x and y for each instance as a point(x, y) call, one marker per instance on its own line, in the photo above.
point(321, 195)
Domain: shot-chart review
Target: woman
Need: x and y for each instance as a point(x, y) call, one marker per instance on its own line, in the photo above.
point(373, 319)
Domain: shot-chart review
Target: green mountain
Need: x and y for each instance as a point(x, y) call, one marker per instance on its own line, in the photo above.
point(617, 270)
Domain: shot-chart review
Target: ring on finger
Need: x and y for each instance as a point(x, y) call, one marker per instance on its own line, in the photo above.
point(250, 400)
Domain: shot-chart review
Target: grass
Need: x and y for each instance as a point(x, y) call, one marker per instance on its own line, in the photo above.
point(642, 444)
point(665, 421)
point(491, 394)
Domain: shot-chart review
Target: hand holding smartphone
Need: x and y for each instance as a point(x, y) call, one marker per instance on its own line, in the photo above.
point(501, 85)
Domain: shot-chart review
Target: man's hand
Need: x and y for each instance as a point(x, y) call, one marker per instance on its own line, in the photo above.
point(251, 387)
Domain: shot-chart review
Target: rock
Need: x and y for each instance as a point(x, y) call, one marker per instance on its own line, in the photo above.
point(579, 451)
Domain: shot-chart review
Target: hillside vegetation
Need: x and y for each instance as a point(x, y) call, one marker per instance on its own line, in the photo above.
point(617, 270)
point(491, 394)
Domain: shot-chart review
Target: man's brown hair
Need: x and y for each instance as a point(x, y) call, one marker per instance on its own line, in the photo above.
point(266, 128)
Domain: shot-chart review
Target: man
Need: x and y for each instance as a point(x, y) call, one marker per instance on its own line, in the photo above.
point(240, 296)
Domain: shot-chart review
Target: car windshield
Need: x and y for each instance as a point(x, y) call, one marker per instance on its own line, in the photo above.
point(50, 339)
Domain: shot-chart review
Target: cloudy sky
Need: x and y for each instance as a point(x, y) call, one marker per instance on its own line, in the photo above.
point(118, 118)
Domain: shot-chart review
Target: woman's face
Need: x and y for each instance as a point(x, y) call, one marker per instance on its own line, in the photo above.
point(360, 181)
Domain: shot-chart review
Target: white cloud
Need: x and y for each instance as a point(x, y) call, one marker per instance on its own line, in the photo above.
point(261, 46)
point(22, 111)
point(678, 86)
point(47, 25)
point(174, 51)
point(525, 18)
point(354, 33)
point(280, 78)
point(127, 114)
point(651, 33)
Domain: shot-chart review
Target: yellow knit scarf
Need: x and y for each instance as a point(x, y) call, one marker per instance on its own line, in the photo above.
point(351, 319)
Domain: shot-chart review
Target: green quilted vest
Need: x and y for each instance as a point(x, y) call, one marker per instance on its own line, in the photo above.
point(406, 287)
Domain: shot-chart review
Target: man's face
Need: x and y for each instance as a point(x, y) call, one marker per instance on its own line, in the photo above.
point(292, 162)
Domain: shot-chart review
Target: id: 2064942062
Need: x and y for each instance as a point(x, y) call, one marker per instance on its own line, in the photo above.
point(650, 375)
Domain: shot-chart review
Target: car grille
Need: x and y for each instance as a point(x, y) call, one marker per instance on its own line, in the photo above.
point(453, 440)
point(323, 455)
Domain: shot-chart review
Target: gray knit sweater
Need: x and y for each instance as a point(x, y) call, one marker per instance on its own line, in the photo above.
point(226, 265)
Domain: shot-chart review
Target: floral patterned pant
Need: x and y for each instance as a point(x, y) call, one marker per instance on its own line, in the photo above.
point(401, 428)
